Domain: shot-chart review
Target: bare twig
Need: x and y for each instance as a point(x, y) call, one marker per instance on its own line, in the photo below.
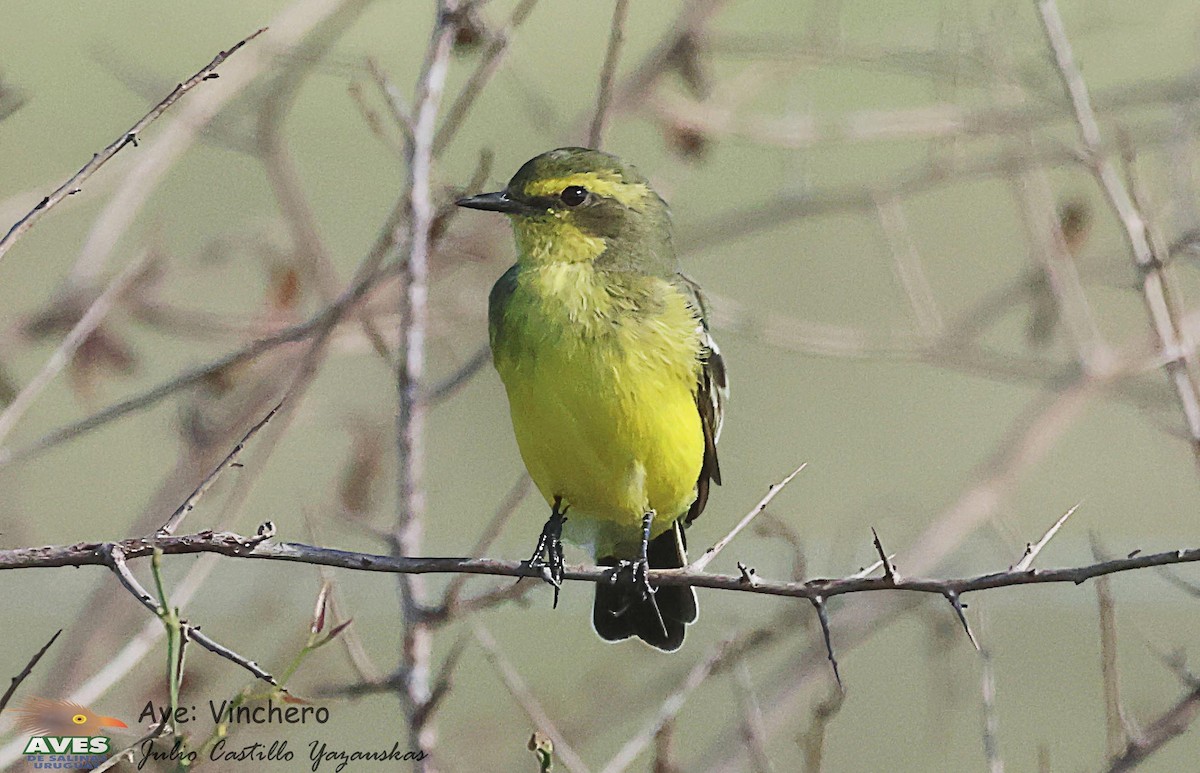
point(1188, 587)
point(1026, 442)
point(1032, 550)
point(867, 571)
point(26, 671)
point(908, 266)
point(487, 599)
point(417, 646)
point(608, 73)
point(489, 63)
point(79, 333)
point(508, 506)
point(1171, 724)
point(991, 718)
point(664, 750)
point(1110, 675)
point(780, 208)
point(288, 29)
point(114, 557)
point(444, 679)
point(172, 523)
point(72, 186)
point(128, 656)
point(752, 726)
point(703, 561)
point(373, 120)
point(305, 365)
point(526, 700)
point(687, 28)
point(456, 380)
point(127, 754)
point(397, 106)
point(368, 278)
point(1059, 274)
point(670, 708)
point(813, 739)
point(1156, 289)
point(310, 255)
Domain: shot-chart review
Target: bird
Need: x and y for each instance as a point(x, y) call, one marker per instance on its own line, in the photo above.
point(48, 717)
point(615, 385)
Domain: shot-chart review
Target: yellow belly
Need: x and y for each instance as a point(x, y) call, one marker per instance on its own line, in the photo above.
point(608, 422)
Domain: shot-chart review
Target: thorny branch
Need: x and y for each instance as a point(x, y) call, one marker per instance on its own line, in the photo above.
point(130, 137)
point(26, 671)
point(172, 523)
point(816, 590)
point(700, 563)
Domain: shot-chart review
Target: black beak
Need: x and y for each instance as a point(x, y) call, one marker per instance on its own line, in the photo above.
point(493, 202)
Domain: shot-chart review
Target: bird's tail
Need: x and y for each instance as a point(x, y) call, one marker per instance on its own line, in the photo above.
point(621, 611)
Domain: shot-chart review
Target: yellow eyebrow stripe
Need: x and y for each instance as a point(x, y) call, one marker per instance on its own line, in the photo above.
point(631, 195)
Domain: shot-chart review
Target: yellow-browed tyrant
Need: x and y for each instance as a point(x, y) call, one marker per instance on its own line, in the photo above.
point(614, 383)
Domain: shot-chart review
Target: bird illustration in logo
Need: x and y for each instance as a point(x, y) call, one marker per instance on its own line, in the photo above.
point(47, 717)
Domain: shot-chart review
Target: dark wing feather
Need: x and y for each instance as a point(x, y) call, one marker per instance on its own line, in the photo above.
point(711, 390)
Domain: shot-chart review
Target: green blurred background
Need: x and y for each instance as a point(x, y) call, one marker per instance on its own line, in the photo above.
point(891, 441)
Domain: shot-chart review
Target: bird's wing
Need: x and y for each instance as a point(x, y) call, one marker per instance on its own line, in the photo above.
point(497, 302)
point(712, 388)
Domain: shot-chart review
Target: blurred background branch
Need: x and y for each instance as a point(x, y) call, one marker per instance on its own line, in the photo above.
point(952, 255)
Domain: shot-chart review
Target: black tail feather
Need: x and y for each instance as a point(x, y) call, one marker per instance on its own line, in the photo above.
point(620, 611)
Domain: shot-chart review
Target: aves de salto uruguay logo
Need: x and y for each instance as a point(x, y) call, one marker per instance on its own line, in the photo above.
point(63, 734)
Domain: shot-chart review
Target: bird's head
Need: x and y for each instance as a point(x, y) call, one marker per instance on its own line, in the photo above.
point(574, 204)
point(44, 716)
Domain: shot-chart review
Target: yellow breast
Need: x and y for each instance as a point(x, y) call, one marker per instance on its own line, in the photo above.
point(601, 373)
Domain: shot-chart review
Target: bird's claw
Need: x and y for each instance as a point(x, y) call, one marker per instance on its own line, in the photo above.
point(547, 558)
point(639, 574)
point(548, 575)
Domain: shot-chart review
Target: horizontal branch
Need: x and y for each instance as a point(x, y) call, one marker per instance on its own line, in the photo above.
point(239, 546)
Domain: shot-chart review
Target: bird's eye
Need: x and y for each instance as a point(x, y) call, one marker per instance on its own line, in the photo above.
point(573, 195)
point(79, 719)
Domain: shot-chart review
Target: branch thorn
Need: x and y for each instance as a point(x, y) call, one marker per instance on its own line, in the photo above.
point(956, 602)
point(818, 603)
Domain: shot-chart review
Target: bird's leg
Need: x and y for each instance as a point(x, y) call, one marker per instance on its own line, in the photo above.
point(642, 567)
point(639, 567)
point(549, 545)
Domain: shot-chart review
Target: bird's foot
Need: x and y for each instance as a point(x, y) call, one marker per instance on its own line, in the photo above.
point(639, 568)
point(638, 571)
point(547, 557)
